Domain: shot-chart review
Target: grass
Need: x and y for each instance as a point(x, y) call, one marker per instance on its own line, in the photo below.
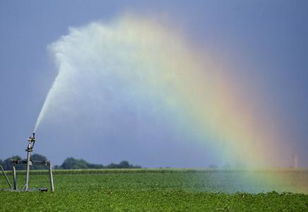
point(147, 190)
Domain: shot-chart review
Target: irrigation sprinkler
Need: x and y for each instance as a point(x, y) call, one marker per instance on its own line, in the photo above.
point(28, 162)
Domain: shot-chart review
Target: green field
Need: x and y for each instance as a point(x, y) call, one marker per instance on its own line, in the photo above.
point(155, 190)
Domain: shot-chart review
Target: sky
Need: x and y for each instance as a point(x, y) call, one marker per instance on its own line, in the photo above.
point(263, 44)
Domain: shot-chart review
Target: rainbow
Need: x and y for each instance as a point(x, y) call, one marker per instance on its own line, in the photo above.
point(158, 65)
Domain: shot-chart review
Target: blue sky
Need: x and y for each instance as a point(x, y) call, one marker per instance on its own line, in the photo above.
point(267, 40)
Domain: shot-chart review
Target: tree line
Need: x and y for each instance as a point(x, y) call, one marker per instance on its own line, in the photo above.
point(68, 163)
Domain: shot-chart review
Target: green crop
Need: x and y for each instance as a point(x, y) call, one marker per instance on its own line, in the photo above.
point(147, 190)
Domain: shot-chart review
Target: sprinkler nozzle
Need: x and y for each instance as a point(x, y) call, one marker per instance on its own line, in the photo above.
point(32, 138)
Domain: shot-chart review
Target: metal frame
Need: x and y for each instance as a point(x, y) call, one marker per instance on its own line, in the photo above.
point(28, 162)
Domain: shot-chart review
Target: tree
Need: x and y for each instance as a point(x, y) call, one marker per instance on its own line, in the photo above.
point(122, 165)
point(7, 163)
point(72, 163)
point(213, 166)
point(40, 158)
point(95, 166)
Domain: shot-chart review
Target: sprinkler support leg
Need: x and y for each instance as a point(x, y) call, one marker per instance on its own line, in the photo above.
point(52, 187)
point(14, 178)
point(28, 170)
